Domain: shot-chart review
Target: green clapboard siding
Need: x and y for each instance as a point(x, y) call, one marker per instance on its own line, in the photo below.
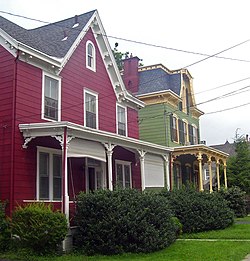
point(154, 124)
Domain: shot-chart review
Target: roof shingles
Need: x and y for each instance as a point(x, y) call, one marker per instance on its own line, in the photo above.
point(48, 39)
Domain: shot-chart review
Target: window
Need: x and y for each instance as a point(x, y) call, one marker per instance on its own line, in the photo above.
point(49, 178)
point(181, 132)
point(51, 100)
point(193, 134)
point(185, 130)
point(173, 128)
point(121, 120)
point(90, 56)
point(90, 109)
point(123, 174)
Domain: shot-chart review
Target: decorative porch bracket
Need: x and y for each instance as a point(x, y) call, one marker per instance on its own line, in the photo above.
point(109, 151)
point(26, 141)
point(142, 163)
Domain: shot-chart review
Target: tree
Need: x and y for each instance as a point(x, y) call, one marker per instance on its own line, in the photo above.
point(119, 56)
point(239, 165)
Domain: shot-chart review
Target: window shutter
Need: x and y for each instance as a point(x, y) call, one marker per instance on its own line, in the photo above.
point(181, 132)
point(171, 127)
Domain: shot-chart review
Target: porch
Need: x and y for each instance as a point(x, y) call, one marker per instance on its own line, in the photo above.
point(72, 158)
point(200, 165)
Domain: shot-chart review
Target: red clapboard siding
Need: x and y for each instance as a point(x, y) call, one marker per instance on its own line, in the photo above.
point(7, 62)
point(133, 129)
point(76, 77)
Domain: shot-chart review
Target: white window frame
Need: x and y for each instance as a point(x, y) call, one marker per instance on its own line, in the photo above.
point(86, 91)
point(195, 134)
point(51, 152)
point(93, 67)
point(126, 120)
point(124, 163)
point(175, 119)
point(43, 116)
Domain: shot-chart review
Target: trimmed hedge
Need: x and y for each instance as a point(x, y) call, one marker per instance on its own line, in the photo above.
point(113, 222)
point(5, 235)
point(39, 228)
point(236, 200)
point(199, 211)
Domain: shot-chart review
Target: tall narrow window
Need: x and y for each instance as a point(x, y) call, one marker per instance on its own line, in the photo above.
point(121, 120)
point(173, 128)
point(123, 174)
point(90, 56)
point(181, 132)
point(185, 130)
point(51, 98)
point(49, 175)
point(90, 109)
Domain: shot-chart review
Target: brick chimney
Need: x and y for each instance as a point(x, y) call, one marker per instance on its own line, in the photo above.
point(130, 73)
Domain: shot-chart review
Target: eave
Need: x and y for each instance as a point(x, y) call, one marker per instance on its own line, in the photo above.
point(52, 129)
point(200, 149)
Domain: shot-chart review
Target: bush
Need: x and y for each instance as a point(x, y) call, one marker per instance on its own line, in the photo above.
point(199, 211)
point(236, 200)
point(5, 234)
point(39, 228)
point(113, 222)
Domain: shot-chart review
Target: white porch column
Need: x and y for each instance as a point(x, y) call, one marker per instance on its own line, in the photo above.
point(64, 141)
point(210, 174)
point(200, 172)
point(225, 173)
point(218, 173)
point(109, 151)
point(167, 181)
point(142, 164)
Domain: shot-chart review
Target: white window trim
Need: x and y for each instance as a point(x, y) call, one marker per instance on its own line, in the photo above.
point(177, 128)
point(93, 68)
point(51, 153)
point(97, 106)
point(124, 163)
point(196, 133)
point(126, 119)
point(59, 96)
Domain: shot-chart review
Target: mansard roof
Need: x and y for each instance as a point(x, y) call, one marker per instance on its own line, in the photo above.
point(158, 78)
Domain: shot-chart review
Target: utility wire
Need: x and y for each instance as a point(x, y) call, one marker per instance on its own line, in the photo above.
point(231, 108)
point(143, 43)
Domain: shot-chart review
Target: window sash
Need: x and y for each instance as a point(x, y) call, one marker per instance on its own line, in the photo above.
point(91, 110)
point(50, 176)
point(51, 98)
point(123, 175)
point(121, 119)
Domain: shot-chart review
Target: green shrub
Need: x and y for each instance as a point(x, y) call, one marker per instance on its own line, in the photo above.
point(5, 235)
point(113, 222)
point(236, 200)
point(39, 228)
point(199, 211)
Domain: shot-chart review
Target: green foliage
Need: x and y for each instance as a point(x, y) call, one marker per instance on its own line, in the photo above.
point(118, 221)
point(238, 166)
point(199, 211)
point(236, 200)
point(39, 228)
point(5, 234)
point(119, 56)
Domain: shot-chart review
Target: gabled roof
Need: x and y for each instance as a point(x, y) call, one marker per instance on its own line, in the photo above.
point(158, 78)
point(56, 42)
point(48, 39)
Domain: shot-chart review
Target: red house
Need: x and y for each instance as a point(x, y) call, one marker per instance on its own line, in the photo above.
point(68, 124)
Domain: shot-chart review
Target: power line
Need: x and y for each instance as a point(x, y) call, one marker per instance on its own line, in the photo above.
point(231, 108)
point(144, 43)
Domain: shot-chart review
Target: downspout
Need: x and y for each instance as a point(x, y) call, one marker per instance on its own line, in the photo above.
point(13, 134)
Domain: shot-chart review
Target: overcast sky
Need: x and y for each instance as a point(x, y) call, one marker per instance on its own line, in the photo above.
point(206, 27)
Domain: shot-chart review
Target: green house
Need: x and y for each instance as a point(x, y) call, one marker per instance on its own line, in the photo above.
point(171, 118)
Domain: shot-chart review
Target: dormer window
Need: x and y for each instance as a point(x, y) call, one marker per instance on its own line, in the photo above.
point(90, 56)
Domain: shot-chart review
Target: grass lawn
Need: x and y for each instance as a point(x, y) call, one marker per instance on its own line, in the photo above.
point(186, 250)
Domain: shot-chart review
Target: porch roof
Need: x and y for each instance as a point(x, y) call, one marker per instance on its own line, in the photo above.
point(54, 129)
point(200, 149)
